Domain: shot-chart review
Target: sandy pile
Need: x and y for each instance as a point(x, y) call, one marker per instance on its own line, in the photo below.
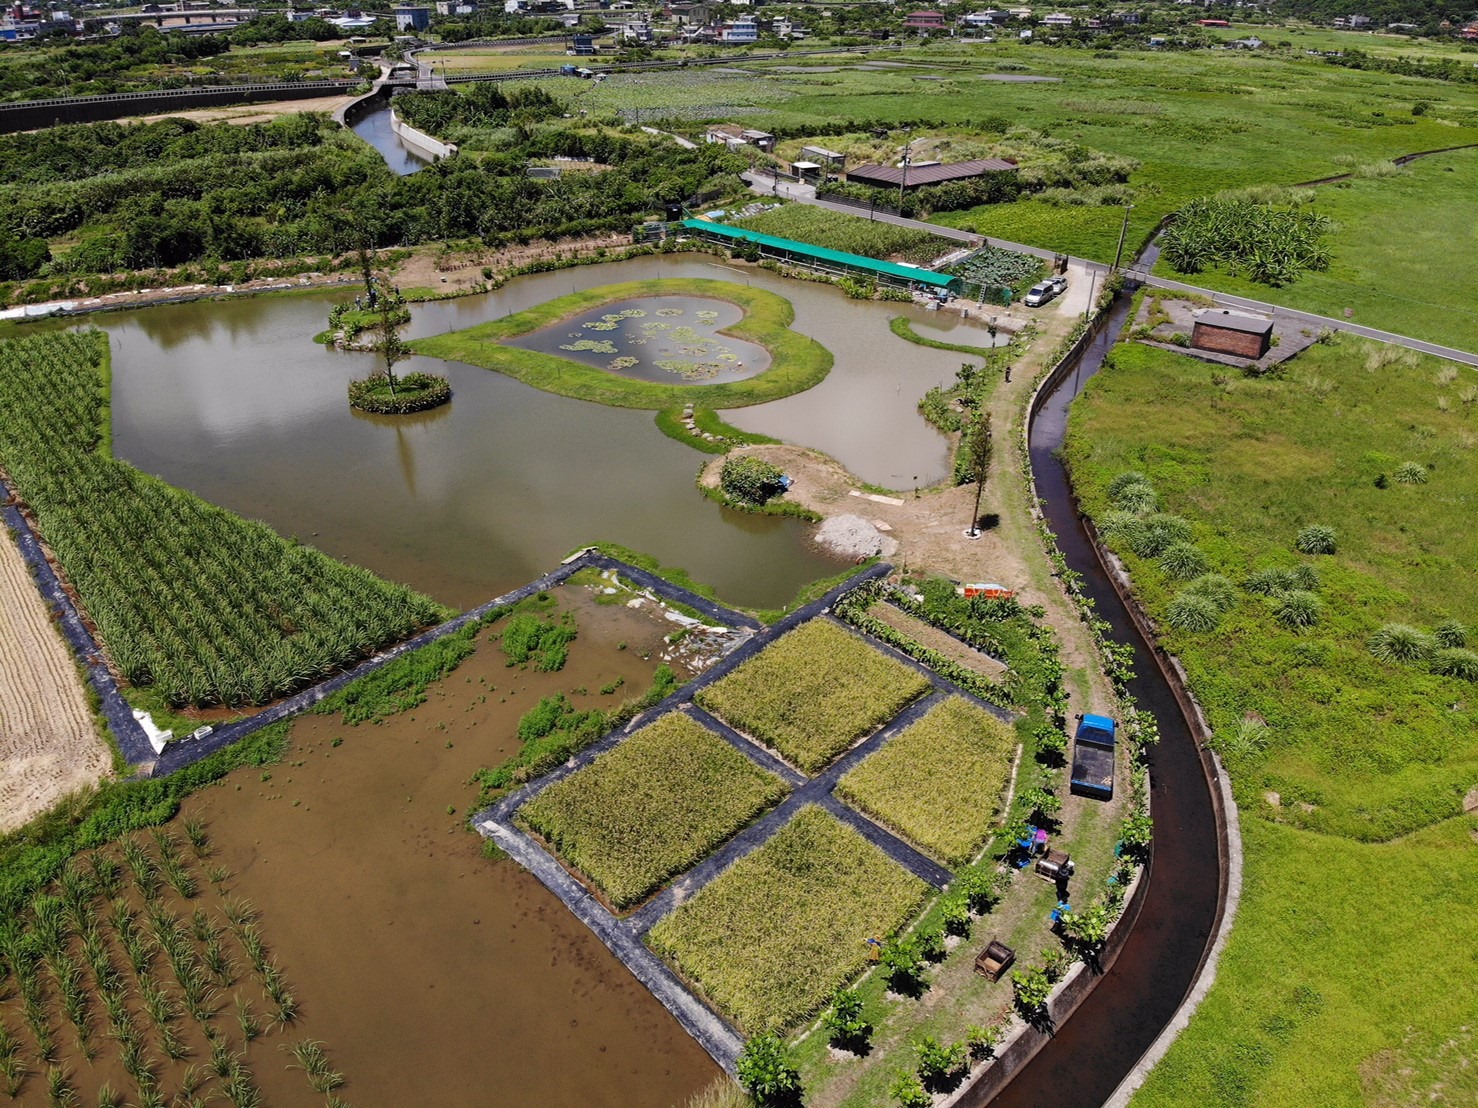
point(854, 537)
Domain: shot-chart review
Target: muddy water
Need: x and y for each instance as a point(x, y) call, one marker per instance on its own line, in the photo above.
point(432, 975)
point(233, 401)
point(671, 340)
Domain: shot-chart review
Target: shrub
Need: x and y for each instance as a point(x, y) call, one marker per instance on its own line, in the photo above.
point(1136, 496)
point(844, 1023)
point(1400, 642)
point(1215, 588)
point(1117, 522)
point(1411, 473)
point(1270, 582)
point(1158, 533)
point(954, 910)
point(909, 1091)
point(941, 1065)
point(1298, 608)
point(981, 1042)
point(1125, 481)
point(1030, 989)
point(1191, 611)
point(1088, 929)
point(750, 479)
point(904, 963)
point(1304, 577)
point(980, 887)
point(1451, 633)
point(1456, 662)
point(1317, 538)
point(930, 942)
point(766, 1071)
point(1183, 561)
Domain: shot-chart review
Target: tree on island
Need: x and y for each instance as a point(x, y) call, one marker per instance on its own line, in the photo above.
point(977, 446)
point(391, 348)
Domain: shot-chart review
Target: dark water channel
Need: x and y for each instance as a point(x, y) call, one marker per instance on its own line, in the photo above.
point(665, 339)
point(1096, 1048)
point(374, 128)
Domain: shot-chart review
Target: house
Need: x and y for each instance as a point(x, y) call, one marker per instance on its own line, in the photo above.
point(1057, 19)
point(926, 173)
point(456, 7)
point(784, 28)
point(1251, 42)
point(1226, 332)
point(1352, 22)
point(925, 23)
point(741, 32)
point(732, 135)
point(412, 19)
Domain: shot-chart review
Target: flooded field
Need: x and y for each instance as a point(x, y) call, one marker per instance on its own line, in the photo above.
point(432, 974)
point(666, 339)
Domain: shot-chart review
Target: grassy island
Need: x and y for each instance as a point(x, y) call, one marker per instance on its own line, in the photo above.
point(798, 363)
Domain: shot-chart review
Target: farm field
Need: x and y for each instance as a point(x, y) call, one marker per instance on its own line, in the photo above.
point(939, 781)
point(1403, 256)
point(492, 60)
point(202, 605)
point(772, 937)
point(652, 807)
point(839, 231)
point(813, 692)
point(1185, 119)
point(1349, 770)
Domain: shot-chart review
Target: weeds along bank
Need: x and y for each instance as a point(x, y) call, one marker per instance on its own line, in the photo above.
point(196, 603)
point(1299, 539)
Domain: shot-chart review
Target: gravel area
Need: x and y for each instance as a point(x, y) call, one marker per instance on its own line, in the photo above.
point(854, 537)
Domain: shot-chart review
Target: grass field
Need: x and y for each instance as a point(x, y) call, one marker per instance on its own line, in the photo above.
point(798, 363)
point(774, 936)
point(839, 231)
point(490, 60)
point(652, 807)
point(1405, 254)
point(200, 603)
point(1330, 750)
point(939, 781)
point(813, 692)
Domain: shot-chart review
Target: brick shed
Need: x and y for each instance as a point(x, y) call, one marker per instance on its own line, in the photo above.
point(1228, 332)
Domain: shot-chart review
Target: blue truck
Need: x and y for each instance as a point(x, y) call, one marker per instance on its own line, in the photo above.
point(1093, 757)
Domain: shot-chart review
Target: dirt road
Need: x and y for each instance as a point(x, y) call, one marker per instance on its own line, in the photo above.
point(49, 745)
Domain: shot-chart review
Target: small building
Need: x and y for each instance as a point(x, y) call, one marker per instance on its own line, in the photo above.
point(1251, 42)
point(412, 19)
point(1227, 332)
point(1057, 19)
point(810, 172)
point(926, 173)
point(828, 158)
point(926, 22)
point(456, 7)
point(732, 135)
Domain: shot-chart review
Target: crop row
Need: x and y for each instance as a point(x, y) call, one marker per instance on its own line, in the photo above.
point(940, 780)
point(209, 607)
point(775, 935)
point(813, 692)
point(652, 807)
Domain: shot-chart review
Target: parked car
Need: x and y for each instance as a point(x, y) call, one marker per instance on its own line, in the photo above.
point(1043, 291)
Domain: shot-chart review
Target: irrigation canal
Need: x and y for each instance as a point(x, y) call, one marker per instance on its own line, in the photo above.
point(374, 127)
point(1088, 1056)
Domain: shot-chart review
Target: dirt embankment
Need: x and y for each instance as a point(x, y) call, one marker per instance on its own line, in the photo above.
point(49, 746)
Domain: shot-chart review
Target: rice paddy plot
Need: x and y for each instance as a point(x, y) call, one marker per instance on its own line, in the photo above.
point(775, 935)
point(813, 692)
point(939, 781)
point(651, 807)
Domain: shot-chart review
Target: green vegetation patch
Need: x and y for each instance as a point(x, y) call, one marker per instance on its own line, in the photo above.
point(652, 807)
point(813, 692)
point(938, 781)
point(204, 605)
point(853, 234)
point(797, 363)
point(775, 935)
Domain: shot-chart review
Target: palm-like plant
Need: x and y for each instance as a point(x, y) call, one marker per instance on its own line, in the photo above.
point(1191, 611)
point(1317, 538)
point(1411, 473)
point(1183, 561)
point(1400, 642)
point(1452, 634)
point(1297, 609)
point(1456, 661)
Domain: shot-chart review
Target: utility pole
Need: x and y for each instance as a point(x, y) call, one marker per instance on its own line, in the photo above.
point(903, 182)
point(1123, 231)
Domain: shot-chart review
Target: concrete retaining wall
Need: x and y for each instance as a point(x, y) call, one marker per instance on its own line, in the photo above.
point(419, 141)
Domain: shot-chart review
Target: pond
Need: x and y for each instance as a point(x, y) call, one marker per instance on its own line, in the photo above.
point(665, 339)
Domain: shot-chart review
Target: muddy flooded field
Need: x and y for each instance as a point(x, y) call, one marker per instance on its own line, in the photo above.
point(430, 973)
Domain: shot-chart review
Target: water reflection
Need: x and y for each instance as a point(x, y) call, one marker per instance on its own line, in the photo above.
point(374, 128)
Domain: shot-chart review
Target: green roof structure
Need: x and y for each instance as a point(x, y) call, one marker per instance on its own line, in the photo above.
point(821, 256)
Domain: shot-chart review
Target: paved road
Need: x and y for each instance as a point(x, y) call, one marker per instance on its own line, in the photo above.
point(806, 194)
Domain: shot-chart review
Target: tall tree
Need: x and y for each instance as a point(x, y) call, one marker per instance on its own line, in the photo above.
point(978, 447)
point(390, 346)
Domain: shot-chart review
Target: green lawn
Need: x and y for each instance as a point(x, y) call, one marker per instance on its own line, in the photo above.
point(840, 231)
point(1354, 752)
point(798, 363)
point(814, 692)
point(652, 807)
point(938, 782)
point(1405, 254)
point(773, 937)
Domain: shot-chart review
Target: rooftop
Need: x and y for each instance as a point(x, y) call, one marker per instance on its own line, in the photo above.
point(821, 253)
point(930, 174)
point(1233, 321)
